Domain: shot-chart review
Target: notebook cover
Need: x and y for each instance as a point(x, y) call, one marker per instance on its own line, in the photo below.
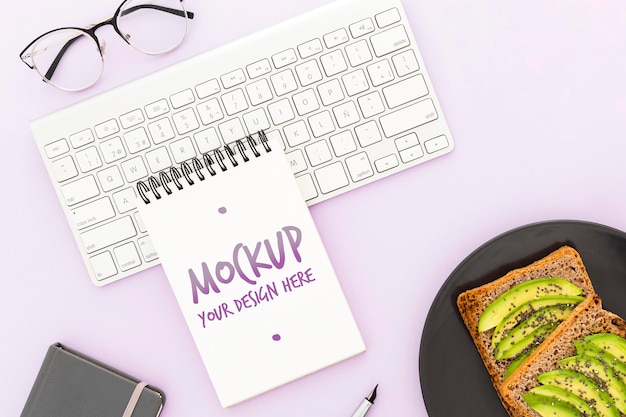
point(252, 277)
point(70, 384)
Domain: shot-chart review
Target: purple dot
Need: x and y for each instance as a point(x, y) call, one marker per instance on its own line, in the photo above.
point(276, 337)
point(222, 210)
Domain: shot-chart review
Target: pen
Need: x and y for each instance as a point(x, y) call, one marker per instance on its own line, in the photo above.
point(365, 404)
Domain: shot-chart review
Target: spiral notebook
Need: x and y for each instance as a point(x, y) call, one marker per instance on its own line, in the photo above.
point(248, 268)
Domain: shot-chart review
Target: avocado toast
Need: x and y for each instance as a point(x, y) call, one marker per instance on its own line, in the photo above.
point(509, 317)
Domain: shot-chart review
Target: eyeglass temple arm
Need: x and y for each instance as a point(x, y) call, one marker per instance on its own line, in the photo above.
point(176, 12)
point(65, 47)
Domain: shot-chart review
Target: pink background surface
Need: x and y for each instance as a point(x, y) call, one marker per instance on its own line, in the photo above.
point(535, 97)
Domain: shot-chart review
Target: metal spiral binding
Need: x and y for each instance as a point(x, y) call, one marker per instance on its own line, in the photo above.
point(219, 158)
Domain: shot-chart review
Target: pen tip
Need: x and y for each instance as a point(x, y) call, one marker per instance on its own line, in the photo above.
point(372, 396)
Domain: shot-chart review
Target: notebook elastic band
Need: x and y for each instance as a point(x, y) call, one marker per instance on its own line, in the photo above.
point(132, 403)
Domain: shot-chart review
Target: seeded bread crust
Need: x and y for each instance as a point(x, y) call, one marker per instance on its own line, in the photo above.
point(590, 320)
point(564, 263)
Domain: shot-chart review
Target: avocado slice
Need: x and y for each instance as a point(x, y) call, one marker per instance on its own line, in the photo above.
point(546, 406)
point(559, 395)
point(537, 336)
point(519, 294)
point(515, 363)
point(580, 385)
point(587, 348)
point(520, 312)
point(612, 343)
point(552, 314)
point(594, 368)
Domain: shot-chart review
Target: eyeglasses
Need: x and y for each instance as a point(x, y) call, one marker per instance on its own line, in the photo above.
point(72, 59)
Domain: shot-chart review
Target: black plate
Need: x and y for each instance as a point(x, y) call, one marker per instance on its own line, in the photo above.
point(453, 378)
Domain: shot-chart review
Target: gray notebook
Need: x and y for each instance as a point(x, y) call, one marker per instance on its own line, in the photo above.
point(71, 384)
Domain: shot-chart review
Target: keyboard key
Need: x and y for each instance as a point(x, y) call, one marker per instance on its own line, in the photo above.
point(405, 91)
point(234, 102)
point(232, 130)
point(207, 88)
point(158, 159)
point(386, 163)
point(103, 265)
point(134, 169)
point(284, 58)
point(406, 141)
point(307, 187)
point(411, 154)
point(57, 148)
point(355, 82)
point(88, 159)
point(125, 200)
point(110, 178)
point(346, 114)
point(380, 73)
point(161, 130)
point(368, 134)
point(362, 28)
point(182, 98)
point(132, 119)
point(108, 234)
point(321, 124)
point(281, 112)
point(358, 53)
point(182, 150)
point(108, 128)
point(436, 144)
point(137, 140)
point(310, 48)
point(371, 104)
point(296, 161)
point(284, 82)
point(331, 177)
point(156, 109)
point(308, 73)
point(233, 78)
point(207, 140)
point(359, 167)
point(409, 117)
point(296, 133)
point(330, 92)
point(82, 138)
point(336, 37)
point(210, 111)
point(127, 256)
point(405, 63)
point(112, 150)
point(185, 121)
point(256, 120)
point(333, 63)
point(80, 190)
point(343, 143)
point(147, 249)
point(93, 213)
point(388, 17)
point(63, 169)
point(318, 153)
point(390, 41)
point(306, 102)
point(259, 92)
point(259, 68)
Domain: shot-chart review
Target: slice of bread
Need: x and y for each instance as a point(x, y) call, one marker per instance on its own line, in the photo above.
point(564, 263)
point(590, 320)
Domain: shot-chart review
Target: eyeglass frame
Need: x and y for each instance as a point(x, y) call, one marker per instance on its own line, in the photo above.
point(91, 32)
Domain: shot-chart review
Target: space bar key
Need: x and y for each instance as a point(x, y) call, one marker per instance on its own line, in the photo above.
point(408, 118)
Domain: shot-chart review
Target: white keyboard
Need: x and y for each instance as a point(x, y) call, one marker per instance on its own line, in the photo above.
point(344, 87)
